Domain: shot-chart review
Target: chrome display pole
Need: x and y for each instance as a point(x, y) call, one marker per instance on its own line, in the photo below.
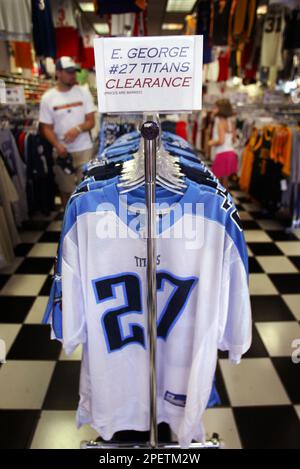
point(150, 132)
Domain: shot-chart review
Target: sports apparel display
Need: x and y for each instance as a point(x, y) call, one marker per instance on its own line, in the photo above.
point(65, 110)
point(98, 297)
point(269, 165)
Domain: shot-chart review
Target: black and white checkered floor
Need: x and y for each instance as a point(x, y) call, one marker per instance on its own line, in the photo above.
point(260, 397)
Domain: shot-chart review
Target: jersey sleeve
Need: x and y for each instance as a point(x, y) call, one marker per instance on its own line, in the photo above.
point(45, 116)
point(89, 105)
point(236, 325)
point(73, 315)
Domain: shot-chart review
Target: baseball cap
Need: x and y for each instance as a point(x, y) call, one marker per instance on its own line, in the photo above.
point(67, 64)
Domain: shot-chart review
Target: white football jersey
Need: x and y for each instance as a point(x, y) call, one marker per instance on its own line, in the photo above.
point(202, 306)
point(274, 24)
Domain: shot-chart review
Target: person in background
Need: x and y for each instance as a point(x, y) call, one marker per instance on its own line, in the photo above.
point(225, 161)
point(66, 117)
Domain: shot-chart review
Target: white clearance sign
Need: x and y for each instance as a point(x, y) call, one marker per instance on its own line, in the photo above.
point(149, 73)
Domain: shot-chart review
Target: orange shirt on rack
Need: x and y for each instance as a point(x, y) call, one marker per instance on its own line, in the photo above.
point(22, 54)
point(246, 170)
point(241, 21)
point(190, 25)
point(254, 143)
point(281, 148)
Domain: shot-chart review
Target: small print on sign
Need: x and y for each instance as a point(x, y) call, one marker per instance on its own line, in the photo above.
point(149, 73)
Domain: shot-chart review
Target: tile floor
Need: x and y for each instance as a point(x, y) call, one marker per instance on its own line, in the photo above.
point(260, 397)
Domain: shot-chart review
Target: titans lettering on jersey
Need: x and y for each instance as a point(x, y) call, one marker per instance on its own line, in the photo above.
point(202, 303)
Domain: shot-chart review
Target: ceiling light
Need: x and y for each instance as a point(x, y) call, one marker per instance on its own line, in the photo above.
point(101, 28)
point(87, 6)
point(180, 5)
point(172, 26)
point(262, 10)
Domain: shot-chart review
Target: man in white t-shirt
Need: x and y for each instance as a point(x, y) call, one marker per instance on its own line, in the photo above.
point(66, 118)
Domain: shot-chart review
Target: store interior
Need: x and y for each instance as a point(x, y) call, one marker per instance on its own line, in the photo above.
point(251, 60)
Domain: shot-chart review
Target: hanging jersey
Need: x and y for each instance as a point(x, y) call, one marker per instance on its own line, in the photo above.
point(271, 53)
point(292, 32)
point(241, 21)
point(22, 54)
point(105, 303)
point(140, 27)
point(204, 27)
point(42, 28)
point(224, 61)
point(63, 14)
point(87, 35)
point(251, 52)
point(190, 25)
point(282, 147)
point(253, 144)
point(66, 27)
point(221, 21)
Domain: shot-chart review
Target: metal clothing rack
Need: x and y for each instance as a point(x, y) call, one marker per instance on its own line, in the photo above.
point(150, 132)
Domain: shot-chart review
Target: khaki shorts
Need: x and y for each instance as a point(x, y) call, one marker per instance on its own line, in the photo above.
point(67, 182)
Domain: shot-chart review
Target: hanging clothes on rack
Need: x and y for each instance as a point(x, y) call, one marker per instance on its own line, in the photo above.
point(98, 295)
point(8, 198)
point(17, 171)
point(42, 29)
point(267, 164)
point(40, 185)
point(65, 25)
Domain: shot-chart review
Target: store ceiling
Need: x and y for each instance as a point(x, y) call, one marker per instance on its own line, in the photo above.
point(158, 15)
